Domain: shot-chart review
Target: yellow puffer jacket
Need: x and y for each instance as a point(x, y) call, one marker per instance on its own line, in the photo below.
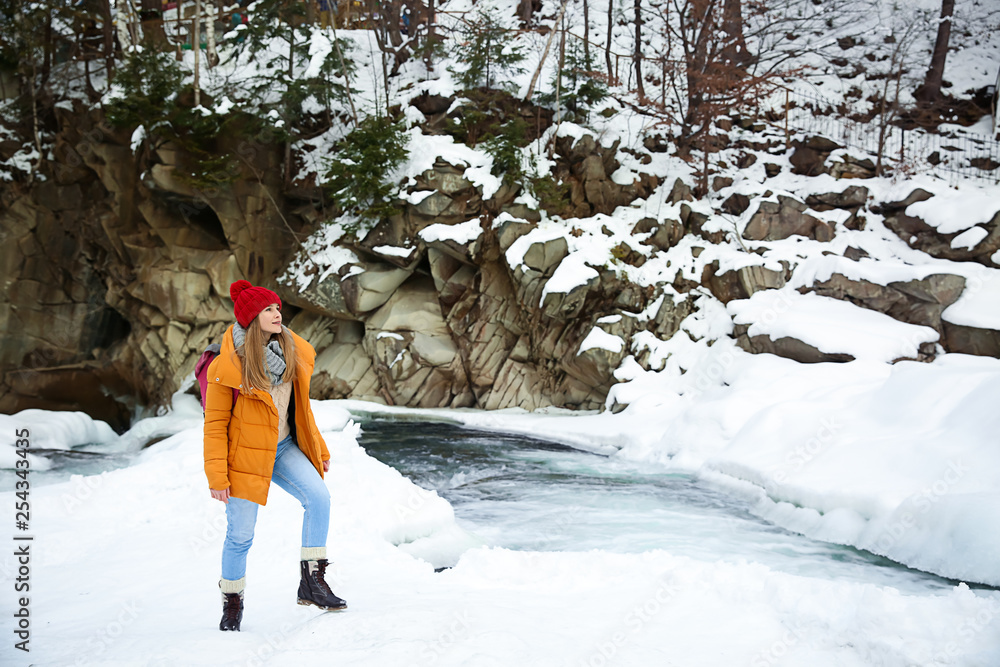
point(241, 442)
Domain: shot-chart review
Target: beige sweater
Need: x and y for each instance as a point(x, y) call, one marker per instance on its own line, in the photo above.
point(281, 394)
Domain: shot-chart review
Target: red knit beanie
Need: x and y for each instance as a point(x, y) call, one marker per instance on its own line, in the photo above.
point(248, 301)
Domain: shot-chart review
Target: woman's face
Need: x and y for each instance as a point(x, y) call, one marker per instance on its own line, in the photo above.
point(270, 319)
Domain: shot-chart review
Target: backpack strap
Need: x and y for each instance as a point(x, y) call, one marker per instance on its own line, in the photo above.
point(201, 372)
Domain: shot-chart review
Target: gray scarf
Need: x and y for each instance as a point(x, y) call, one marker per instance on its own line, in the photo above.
point(274, 357)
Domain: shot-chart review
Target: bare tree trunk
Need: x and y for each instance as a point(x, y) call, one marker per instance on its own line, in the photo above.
point(180, 47)
point(638, 50)
point(34, 121)
point(735, 51)
point(931, 90)
point(109, 41)
point(429, 47)
point(559, 71)
point(291, 77)
point(211, 54)
point(586, 33)
point(889, 109)
point(696, 54)
point(524, 11)
point(545, 54)
point(196, 46)
point(124, 39)
point(347, 79)
point(47, 43)
point(391, 16)
point(607, 45)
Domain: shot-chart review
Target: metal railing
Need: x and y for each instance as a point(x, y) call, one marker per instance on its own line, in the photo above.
point(951, 155)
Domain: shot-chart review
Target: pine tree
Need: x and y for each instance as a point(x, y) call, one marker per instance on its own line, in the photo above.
point(488, 51)
point(506, 150)
point(148, 91)
point(144, 93)
point(358, 174)
point(580, 86)
point(277, 42)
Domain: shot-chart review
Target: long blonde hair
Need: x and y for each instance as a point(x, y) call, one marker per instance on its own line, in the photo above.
point(251, 353)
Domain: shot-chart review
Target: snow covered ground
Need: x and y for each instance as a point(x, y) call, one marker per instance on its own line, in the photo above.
point(124, 564)
point(899, 459)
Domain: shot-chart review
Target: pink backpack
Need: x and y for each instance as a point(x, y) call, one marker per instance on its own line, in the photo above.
point(201, 372)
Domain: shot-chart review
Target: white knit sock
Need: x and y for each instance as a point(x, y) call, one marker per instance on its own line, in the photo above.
point(229, 586)
point(313, 553)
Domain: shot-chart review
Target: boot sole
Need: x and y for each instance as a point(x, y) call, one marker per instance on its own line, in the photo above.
point(307, 603)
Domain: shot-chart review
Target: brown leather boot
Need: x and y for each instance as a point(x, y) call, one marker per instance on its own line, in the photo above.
point(313, 588)
point(232, 611)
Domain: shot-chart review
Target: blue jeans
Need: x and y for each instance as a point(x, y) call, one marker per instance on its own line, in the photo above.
point(296, 474)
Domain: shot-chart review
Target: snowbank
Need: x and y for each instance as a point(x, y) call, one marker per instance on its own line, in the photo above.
point(125, 567)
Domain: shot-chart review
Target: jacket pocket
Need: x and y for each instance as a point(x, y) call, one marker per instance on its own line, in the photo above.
point(234, 443)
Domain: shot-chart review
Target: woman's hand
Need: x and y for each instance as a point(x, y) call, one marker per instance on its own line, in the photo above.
point(326, 465)
point(222, 495)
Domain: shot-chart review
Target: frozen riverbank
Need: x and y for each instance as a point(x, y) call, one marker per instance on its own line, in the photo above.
point(125, 564)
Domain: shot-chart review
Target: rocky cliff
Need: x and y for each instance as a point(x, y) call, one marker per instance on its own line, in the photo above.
point(116, 274)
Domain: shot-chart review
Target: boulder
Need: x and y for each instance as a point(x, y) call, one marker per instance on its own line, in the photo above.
point(487, 323)
point(343, 369)
point(464, 245)
point(567, 305)
point(736, 204)
point(681, 191)
point(366, 290)
point(393, 233)
point(741, 283)
point(774, 221)
point(324, 295)
point(87, 387)
point(452, 278)
point(663, 235)
point(669, 316)
point(182, 296)
point(921, 236)
point(807, 161)
point(809, 157)
point(789, 348)
point(851, 198)
point(545, 256)
point(971, 340)
point(430, 105)
point(914, 301)
point(851, 167)
point(510, 230)
point(721, 182)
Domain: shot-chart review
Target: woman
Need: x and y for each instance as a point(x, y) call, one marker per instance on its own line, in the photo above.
point(269, 433)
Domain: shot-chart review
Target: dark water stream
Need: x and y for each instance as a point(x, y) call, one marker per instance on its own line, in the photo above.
point(521, 493)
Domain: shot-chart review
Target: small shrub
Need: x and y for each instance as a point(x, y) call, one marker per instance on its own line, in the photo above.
point(505, 149)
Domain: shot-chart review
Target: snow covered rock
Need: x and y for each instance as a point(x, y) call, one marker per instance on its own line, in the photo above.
point(366, 290)
point(787, 217)
point(949, 225)
point(914, 301)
